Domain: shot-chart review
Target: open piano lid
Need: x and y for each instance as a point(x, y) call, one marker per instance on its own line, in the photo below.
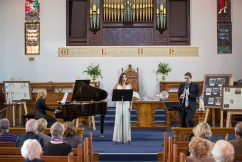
point(86, 92)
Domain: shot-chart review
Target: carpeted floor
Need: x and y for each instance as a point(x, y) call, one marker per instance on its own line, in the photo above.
point(143, 140)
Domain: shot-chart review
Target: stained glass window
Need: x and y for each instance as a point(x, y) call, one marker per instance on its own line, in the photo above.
point(32, 27)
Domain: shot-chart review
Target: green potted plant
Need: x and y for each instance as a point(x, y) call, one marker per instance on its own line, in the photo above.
point(163, 69)
point(94, 71)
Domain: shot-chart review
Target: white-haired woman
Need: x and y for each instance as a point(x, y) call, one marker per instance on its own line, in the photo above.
point(56, 146)
point(31, 151)
point(40, 108)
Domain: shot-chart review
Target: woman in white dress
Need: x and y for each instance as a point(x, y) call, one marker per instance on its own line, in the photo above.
point(118, 134)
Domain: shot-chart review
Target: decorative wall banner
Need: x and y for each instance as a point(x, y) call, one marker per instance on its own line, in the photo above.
point(132, 51)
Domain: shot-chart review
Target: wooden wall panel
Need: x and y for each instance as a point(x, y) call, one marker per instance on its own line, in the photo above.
point(76, 18)
point(179, 19)
point(127, 36)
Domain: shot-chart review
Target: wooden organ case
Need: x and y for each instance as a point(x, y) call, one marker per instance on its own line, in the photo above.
point(127, 22)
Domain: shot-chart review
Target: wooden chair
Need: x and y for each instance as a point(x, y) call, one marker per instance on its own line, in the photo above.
point(132, 77)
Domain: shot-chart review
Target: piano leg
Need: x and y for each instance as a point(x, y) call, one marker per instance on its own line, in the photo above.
point(102, 125)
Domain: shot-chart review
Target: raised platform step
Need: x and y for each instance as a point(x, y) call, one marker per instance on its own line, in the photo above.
point(128, 157)
point(109, 119)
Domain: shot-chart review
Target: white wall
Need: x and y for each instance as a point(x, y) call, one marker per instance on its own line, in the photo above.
point(3, 39)
point(49, 67)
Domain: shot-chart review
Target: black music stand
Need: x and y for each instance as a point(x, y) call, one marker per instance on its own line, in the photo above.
point(122, 95)
point(174, 106)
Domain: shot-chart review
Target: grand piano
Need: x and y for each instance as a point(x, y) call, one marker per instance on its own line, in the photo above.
point(86, 101)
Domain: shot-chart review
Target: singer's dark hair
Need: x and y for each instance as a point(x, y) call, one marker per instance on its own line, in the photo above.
point(188, 74)
point(120, 79)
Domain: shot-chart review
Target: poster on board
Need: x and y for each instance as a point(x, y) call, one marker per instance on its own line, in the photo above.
point(232, 98)
point(20, 90)
point(212, 89)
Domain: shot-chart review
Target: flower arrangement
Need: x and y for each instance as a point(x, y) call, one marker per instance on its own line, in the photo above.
point(94, 71)
point(163, 69)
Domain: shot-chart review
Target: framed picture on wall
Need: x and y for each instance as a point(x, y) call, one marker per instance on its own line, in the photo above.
point(20, 90)
point(232, 98)
point(212, 89)
point(32, 38)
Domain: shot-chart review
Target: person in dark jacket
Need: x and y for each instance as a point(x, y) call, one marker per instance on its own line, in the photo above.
point(187, 94)
point(31, 151)
point(40, 108)
point(5, 136)
point(31, 127)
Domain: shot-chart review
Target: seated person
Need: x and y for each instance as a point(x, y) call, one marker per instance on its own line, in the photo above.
point(223, 151)
point(56, 146)
point(31, 151)
point(237, 143)
point(203, 130)
point(40, 108)
point(70, 135)
point(30, 127)
point(5, 136)
point(42, 125)
point(199, 148)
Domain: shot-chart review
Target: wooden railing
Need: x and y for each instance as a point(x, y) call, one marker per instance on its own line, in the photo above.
point(182, 134)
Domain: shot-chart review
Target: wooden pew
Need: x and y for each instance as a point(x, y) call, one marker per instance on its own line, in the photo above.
point(85, 152)
point(7, 144)
point(182, 134)
point(237, 158)
point(19, 158)
point(182, 157)
point(162, 156)
point(17, 151)
point(47, 131)
point(90, 148)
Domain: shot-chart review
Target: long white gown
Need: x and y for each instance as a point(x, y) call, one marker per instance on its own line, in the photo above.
point(118, 133)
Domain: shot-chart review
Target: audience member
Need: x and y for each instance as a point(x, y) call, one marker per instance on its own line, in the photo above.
point(223, 151)
point(237, 143)
point(70, 135)
point(31, 151)
point(203, 130)
point(56, 147)
point(41, 126)
point(30, 127)
point(199, 149)
point(5, 136)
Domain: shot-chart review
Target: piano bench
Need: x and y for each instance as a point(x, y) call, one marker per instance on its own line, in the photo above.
point(28, 116)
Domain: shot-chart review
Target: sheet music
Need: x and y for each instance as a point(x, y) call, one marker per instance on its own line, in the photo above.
point(63, 101)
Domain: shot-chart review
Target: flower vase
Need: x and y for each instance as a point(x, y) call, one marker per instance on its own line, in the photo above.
point(163, 78)
point(93, 78)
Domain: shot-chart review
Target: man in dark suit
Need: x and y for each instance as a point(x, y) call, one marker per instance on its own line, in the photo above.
point(187, 94)
point(238, 141)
